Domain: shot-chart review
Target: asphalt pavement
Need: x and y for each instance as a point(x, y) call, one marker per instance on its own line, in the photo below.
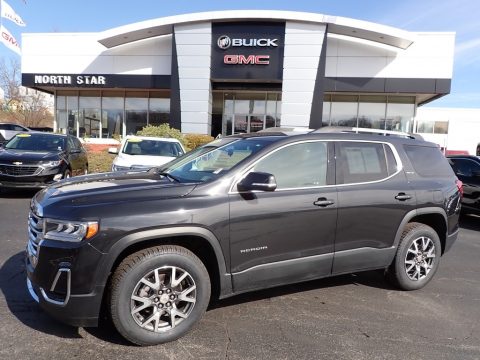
point(358, 316)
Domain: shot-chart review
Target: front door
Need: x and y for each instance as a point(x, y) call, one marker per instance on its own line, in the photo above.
point(286, 235)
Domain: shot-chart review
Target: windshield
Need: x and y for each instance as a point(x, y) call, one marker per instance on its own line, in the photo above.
point(151, 147)
point(37, 142)
point(214, 159)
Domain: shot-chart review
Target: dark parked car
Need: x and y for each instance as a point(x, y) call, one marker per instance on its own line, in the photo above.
point(242, 213)
point(467, 168)
point(34, 160)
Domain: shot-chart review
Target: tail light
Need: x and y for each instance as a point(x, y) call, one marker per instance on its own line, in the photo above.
point(460, 187)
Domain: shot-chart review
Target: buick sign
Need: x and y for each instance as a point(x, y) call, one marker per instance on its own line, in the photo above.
point(224, 42)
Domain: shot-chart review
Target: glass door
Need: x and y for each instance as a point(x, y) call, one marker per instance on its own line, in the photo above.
point(246, 112)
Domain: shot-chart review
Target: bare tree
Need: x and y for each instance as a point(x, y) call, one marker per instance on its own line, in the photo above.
point(25, 106)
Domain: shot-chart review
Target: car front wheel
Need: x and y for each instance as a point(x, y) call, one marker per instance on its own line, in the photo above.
point(158, 294)
point(417, 258)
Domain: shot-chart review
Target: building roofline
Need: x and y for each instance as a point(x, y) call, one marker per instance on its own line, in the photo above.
point(336, 25)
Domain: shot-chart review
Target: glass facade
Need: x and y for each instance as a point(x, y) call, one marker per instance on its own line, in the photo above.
point(369, 111)
point(109, 113)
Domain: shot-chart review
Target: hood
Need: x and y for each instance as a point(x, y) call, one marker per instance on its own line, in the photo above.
point(141, 161)
point(109, 188)
point(28, 156)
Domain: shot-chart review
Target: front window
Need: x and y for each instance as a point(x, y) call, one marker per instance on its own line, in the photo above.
point(37, 142)
point(214, 159)
point(152, 148)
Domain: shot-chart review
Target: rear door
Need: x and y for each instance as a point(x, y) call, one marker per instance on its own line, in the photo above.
point(373, 198)
point(285, 235)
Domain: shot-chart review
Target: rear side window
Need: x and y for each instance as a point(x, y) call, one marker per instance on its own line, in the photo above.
point(428, 161)
point(359, 162)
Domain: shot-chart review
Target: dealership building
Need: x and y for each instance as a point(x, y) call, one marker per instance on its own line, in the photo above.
point(230, 72)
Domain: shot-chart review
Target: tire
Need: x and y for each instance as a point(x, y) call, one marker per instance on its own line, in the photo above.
point(67, 174)
point(143, 296)
point(417, 258)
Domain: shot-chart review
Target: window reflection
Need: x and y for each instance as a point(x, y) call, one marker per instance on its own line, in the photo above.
point(103, 114)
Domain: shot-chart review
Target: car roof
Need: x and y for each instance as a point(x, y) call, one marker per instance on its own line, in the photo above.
point(472, 157)
point(151, 138)
point(338, 135)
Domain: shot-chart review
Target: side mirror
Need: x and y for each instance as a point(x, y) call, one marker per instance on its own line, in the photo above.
point(257, 181)
point(113, 150)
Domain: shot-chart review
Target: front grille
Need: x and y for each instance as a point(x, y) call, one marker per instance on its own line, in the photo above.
point(19, 170)
point(35, 235)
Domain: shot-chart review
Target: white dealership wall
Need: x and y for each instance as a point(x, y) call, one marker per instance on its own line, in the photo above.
point(429, 56)
point(463, 127)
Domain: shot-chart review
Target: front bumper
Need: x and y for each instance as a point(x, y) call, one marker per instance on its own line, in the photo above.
point(63, 284)
point(26, 182)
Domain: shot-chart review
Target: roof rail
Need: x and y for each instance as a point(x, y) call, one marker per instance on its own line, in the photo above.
point(286, 130)
point(342, 129)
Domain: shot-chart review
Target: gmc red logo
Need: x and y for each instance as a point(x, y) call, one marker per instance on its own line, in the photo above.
point(246, 59)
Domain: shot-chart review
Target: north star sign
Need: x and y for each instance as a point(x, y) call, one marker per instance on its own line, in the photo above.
point(69, 80)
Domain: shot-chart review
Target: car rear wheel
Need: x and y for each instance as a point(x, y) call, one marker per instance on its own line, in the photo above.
point(158, 294)
point(417, 258)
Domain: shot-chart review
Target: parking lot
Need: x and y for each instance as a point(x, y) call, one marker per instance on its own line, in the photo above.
point(357, 316)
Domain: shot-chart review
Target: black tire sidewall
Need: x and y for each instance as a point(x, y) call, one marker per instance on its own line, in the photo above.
point(65, 173)
point(400, 276)
point(123, 320)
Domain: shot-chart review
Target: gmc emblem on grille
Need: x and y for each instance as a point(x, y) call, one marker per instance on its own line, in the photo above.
point(17, 163)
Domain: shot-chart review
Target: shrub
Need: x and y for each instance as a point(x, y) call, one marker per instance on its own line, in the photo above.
point(193, 141)
point(99, 161)
point(162, 130)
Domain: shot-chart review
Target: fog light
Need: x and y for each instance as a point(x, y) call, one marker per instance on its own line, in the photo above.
point(57, 177)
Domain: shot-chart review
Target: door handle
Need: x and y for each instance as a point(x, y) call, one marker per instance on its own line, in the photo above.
point(402, 196)
point(323, 202)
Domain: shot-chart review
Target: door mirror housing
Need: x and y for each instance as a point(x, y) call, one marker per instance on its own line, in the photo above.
point(113, 150)
point(259, 181)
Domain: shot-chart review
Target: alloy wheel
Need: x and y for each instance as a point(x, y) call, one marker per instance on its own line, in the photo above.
point(163, 298)
point(420, 258)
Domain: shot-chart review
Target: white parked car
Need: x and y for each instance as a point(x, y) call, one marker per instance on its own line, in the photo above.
point(9, 130)
point(142, 152)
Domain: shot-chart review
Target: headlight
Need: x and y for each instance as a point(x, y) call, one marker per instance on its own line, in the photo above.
point(52, 163)
point(69, 230)
point(120, 168)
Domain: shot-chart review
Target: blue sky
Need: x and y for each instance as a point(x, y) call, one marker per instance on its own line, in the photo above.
point(460, 16)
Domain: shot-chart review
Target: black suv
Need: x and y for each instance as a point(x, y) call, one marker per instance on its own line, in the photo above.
point(35, 159)
point(467, 168)
point(242, 213)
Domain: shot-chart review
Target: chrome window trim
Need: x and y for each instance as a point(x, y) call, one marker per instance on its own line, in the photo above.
point(396, 155)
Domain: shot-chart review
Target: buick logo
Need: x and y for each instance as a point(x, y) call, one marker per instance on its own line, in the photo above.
point(224, 42)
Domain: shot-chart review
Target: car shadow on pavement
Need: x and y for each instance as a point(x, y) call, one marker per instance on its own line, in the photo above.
point(22, 306)
point(470, 222)
point(17, 193)
point(373, 279)
point(25, 309)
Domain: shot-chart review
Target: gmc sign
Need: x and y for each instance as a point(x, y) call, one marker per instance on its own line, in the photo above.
point(245, 60)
